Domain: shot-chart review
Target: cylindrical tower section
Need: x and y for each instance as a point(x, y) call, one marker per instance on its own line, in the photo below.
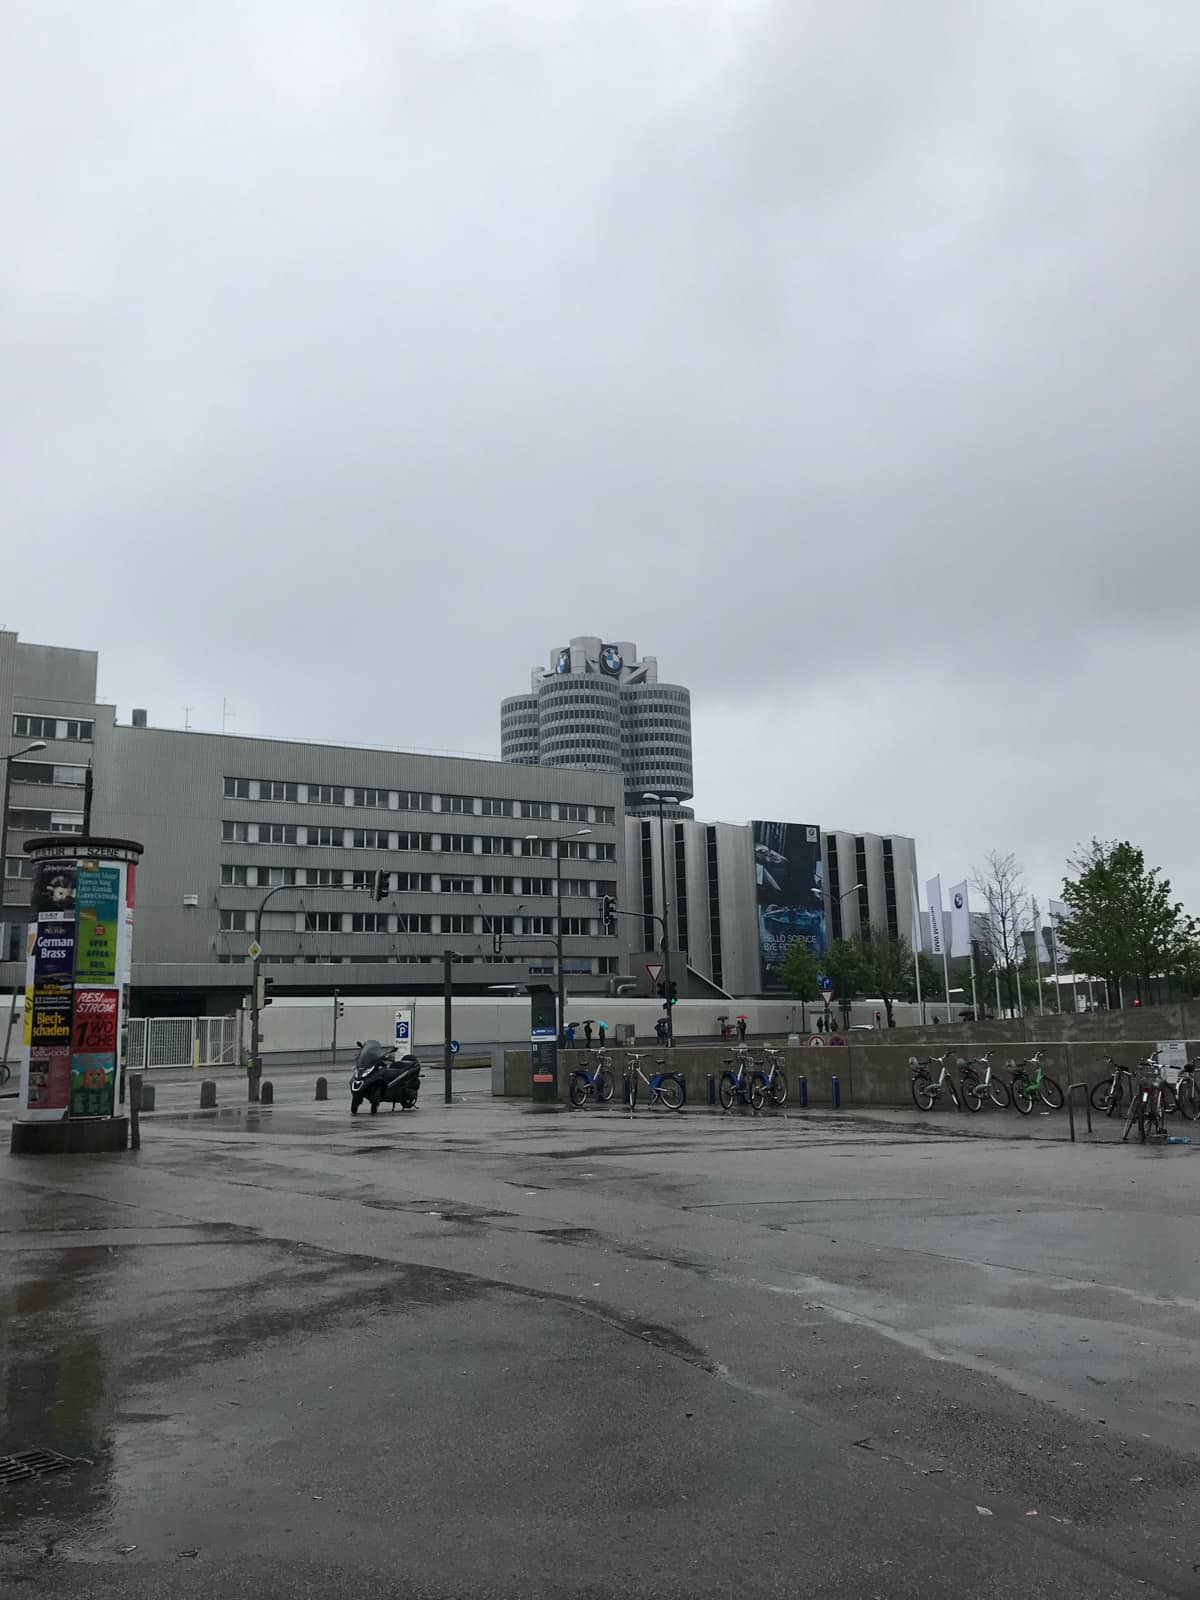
point(519, 729)
point(656, 731)
point(579, 721)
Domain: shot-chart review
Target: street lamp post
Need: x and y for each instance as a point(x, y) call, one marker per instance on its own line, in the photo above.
point(558, 919)
point(661, 800)
point(842, 898)
point(13, 755)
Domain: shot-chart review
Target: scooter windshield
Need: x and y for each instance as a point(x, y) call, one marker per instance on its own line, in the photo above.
point(371, 1054)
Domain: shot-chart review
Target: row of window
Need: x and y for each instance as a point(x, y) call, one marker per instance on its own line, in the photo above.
point(26, 727)
point(407, 922)
point(587, 964)
point(324, 837)
point(235, 875)
point(455, 805)
point(45, 821)
point(48, 772)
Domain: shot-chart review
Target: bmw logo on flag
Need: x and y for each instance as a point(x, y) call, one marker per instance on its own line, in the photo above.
point(958, 902)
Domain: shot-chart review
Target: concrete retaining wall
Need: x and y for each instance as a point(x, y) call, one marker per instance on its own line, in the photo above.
point(870, 1074)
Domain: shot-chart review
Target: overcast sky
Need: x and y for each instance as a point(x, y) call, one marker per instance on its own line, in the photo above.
point(843, 355)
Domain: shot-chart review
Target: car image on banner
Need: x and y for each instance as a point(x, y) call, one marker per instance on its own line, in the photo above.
point(790, 892)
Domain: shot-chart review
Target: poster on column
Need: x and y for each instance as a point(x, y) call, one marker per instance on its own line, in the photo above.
point(93, 1081)
point(99, 896)
point(53, 892)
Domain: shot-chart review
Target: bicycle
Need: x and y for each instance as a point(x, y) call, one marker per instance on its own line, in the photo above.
point(927, 1090)
point(597, 1084)
point(1187, 1093)
point(665, 1087)
point(746, 1082)
point(1026, 1088)
point(976, 1089)
point(1148, 1106)
point(774, 1081)
point(5, 1072)
point(1108, 1094)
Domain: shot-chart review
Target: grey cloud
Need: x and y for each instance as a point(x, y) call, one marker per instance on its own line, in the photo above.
point(842, 356)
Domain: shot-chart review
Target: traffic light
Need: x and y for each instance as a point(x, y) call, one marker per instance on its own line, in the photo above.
point(674, 992)
point(497, 943)
point(380, 887)
point(339, 1007)
point(265, 985)
point(662, 990)
point(608, 908)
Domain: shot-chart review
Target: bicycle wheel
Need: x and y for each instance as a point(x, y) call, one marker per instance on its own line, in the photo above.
point(777, 1093)
point(1145, 1116)
point(998, 1093)
point(756, 1092)
point(1189, 1099)
point(605, 1088)
point(5, 1072)
point(1102, 1096)
point(670, 1092)
point(577, 1088)
point(1022, 1096)
point(726, 1090)
point(922, 1091)
point(972, 1091)
point(1170, 1100)
point(631, 1084)
point(1051, 1094)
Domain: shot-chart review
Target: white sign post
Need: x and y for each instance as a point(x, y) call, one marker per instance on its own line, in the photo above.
point(404, 1030)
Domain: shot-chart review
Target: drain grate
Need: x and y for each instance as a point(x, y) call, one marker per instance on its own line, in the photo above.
point(32, 1464)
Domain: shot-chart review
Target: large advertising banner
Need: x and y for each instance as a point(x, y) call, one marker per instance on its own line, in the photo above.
point(790, 892)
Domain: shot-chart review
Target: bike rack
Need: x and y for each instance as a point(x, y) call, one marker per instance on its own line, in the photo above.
point(1087, 1106)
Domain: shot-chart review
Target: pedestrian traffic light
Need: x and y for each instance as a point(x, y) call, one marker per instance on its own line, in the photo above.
point(380, 886)
point(608, 907)
point(497, 943)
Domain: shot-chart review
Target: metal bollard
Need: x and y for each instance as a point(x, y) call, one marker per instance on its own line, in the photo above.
point(802, 1091)
point(266, 1093)
point(710, 1090)
point(135, 1110)
point(208, 1094)
point(322, 1088)
point(835, 1092)
point(148, 1097)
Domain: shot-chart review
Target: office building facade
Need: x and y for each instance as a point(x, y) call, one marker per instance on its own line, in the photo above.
point(469, 848)
point(600, 707)
point(733, 897)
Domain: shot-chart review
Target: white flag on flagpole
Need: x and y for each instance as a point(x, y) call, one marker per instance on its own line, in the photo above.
point(960, 921)
point(933, 893)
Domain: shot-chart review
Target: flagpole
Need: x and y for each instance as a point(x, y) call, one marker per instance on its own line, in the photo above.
point(1054, 962)
point(918, 941)
point(1037, 954)
point(974, 984)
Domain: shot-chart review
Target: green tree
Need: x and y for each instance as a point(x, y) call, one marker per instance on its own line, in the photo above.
point(933, 985)
point(798, 971)
point(1123, 925)
point(889, 960)
point(845, 963)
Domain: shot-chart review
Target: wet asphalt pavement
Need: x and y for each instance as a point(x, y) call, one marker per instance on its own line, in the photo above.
point(484, 1351)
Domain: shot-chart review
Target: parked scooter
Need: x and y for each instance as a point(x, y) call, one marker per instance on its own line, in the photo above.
point(380, 1075)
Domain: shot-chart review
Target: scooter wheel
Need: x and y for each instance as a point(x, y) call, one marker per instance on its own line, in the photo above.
point(374, 1104)
point(355, 1101)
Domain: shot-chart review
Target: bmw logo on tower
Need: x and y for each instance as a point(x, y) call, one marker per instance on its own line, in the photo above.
point(610, 660)
point(562, 661)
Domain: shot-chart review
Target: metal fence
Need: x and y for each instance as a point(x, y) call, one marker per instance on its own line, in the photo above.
point(181, 1042)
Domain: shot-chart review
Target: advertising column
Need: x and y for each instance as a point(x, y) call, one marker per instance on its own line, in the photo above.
point(79, 952)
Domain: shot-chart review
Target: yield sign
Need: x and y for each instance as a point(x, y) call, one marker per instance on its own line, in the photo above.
point(654, 970)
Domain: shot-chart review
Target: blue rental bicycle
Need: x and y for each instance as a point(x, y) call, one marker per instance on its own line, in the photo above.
point(664, 1088)
point(598, 1084)
point(742, 1081)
